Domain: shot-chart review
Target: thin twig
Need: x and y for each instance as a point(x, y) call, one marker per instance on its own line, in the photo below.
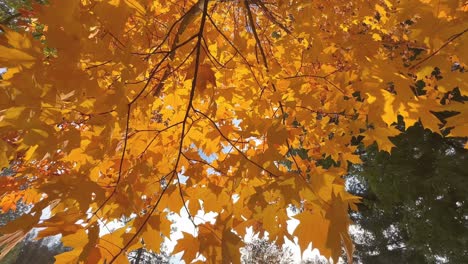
point(451, 39)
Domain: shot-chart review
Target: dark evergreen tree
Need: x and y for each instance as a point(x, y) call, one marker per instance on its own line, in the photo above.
point(414, 206)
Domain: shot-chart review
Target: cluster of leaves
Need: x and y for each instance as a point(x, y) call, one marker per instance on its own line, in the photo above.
point(120, 120)
point(414, 206)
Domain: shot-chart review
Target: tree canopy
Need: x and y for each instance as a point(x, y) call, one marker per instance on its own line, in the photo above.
point(138, 108)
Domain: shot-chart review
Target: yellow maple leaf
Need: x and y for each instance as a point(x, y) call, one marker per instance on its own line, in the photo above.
point(381, 136)
point(189, 245)
point(16, 49)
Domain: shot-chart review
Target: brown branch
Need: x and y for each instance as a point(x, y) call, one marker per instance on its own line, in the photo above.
point(188, 17)
point(334, 85)
point(323, 77)
point(212, 58)
point(451, 39)
point(187, 112)
point(127, 127)
point(184, 203)
point(233, 145)
point(119, 176)
point(235, 48)
point(254, 31)
point(205, 163)
point(166, 36)
point(271, 16)
point(157, 90)
point(158, 130)
point(325, 113)
point(190, 102)
point(116, 39)
point(97, 65)
point(154, 138)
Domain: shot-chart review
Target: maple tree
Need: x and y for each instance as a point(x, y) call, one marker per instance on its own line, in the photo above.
point(114, 110)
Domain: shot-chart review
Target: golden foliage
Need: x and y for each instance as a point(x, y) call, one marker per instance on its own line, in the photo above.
point(138, 93)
